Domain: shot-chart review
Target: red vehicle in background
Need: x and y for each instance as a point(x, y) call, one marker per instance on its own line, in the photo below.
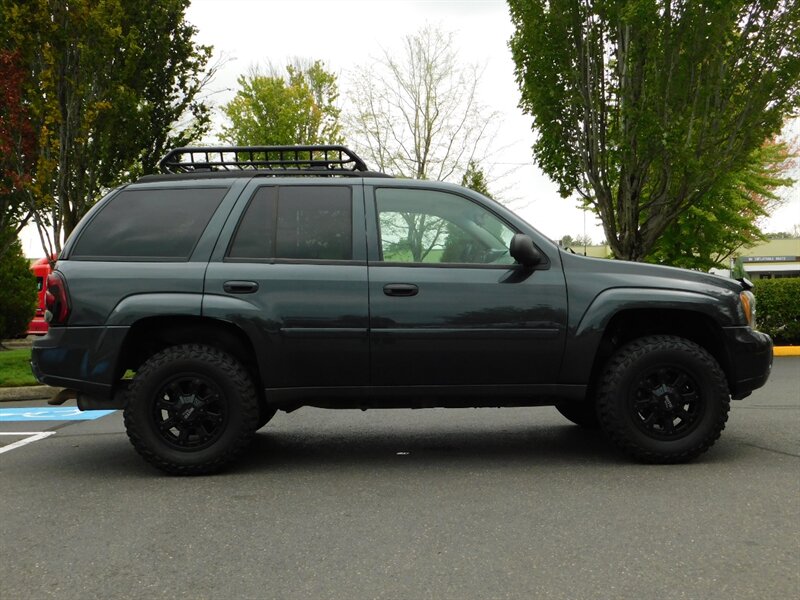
point(41, 269)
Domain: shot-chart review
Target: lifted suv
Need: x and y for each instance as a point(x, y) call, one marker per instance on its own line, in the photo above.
point(250, 280)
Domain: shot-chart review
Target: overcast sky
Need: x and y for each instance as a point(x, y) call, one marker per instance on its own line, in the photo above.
point(347, 34)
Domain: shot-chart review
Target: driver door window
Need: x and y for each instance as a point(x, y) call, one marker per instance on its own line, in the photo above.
point(424, 226)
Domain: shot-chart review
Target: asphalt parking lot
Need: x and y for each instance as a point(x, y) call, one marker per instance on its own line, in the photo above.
point(489, 503)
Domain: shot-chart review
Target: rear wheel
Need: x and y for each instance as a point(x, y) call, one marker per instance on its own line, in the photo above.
point(663, 399)
point(192, 409)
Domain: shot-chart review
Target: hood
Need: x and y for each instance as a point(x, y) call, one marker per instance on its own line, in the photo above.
point(622, 273)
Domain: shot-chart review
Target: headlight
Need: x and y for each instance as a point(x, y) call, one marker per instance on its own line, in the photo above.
point(749, 307)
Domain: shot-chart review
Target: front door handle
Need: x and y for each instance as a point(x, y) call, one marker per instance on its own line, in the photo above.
point(400, 289)
point(240, 287)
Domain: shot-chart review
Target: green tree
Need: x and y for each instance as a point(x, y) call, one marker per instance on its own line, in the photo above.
point(111, 86)
point(644, 107)
point(716, 225)
point(299, 108)
point(575, 242)
point(475, 179)
point(17, 290)
point(784, 235)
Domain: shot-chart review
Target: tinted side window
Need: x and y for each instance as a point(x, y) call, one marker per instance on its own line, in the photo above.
point(255, 234)
point(296, 222)
point(147, 224)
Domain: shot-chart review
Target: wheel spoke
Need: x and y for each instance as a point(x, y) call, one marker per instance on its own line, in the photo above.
point(667, 424)
point(650, 420)
point(167, 404)
point(680, 381)
point(183, 436)
point(169, 423)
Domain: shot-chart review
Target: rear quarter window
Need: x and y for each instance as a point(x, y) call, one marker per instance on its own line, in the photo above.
point(151, 224)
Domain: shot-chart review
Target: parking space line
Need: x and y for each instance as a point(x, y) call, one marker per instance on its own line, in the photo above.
point(33, 436)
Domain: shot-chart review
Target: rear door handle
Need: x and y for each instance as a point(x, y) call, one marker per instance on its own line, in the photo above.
point(240, 287)
point(400, 289)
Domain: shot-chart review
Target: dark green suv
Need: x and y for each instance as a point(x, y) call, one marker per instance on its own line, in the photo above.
point(248, 280)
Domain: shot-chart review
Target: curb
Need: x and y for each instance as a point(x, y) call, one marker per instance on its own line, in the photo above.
point(786, 350)
point(29, 392)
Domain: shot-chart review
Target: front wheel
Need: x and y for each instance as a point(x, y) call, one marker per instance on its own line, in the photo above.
point(663, 399)
point(191, 409)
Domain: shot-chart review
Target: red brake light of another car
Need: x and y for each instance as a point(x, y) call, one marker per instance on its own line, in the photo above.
point(56, 300)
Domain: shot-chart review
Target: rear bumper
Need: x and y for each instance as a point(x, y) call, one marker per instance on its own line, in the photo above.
point(750, 358)
point(79, 358)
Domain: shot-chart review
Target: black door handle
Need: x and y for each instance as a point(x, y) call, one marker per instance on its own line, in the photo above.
point(240, 287)
point(400, 289)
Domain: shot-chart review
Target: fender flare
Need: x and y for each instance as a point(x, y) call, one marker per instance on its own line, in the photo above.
point(584, 341)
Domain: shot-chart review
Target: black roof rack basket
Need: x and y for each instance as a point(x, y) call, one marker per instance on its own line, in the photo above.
point(279, 159)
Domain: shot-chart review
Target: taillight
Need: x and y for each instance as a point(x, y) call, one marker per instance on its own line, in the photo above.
point(56, 300)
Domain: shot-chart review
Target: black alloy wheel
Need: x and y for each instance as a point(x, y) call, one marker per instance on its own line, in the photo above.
point(667, 403)
point(191, 412)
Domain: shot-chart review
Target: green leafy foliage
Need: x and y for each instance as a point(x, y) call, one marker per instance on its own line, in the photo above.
point(717, 224)
point(17, 291)
point(778, 309)
point(110, 87)
point(647, 108)
point(276, 110)
point(474, 178)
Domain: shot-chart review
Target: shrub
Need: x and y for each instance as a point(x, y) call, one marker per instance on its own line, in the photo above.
point(778, 309)
point(18, 294)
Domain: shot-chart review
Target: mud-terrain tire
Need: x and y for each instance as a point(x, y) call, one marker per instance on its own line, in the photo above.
point(580, 413)
point(192, 409)
point(663, 399)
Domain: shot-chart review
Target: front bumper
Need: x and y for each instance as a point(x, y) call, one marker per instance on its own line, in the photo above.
point(750, 358)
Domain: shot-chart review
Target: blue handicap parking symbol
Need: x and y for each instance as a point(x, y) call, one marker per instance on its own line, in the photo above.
point(51, 413)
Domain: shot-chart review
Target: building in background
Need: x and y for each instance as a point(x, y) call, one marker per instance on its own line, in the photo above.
point(769, 260)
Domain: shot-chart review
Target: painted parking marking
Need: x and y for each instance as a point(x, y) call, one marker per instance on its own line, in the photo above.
point(31, 436)
point(51, 413)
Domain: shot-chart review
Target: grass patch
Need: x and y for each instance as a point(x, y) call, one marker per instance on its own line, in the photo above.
point(15, 368)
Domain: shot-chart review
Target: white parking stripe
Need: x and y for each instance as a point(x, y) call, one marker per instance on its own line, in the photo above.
point(33, 436)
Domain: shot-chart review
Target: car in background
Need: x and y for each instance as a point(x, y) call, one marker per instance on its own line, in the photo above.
point(41, 270)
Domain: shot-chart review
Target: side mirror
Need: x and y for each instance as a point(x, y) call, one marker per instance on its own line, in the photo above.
point(523, 250)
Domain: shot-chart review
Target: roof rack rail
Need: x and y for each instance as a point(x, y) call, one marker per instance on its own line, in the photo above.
point(280, 159)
